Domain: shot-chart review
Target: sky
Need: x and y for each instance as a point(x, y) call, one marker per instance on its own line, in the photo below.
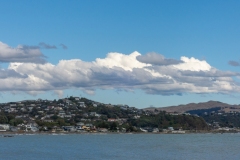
point(140, 53)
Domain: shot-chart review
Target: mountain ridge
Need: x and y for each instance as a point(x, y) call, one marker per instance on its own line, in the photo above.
point(197, 106)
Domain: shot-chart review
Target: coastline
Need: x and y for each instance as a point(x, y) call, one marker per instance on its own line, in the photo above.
point(84, 133)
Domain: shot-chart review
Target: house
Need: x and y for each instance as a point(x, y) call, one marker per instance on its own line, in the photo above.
point(32, 126)
point(97, 115)
point(85, 115)
point(61, 114)
point(67, 116)
point(178, 132)
point(124, 130)
point(86, 128)
point(61, 104)
point(148, 129)
point(21, 105)
point(79, 128)
point(19, 116)
point(112, 120)
point(13, 105)
point(170, 128)
point(123, 120)
point(82, 104)
point(58, 108)
point(83, 119)
point(49, 115)
point(143, 130)
point(102, 129)
point(94, 114)
point(77, 99)
point(4, 127)
point(39, 100)
point(14, 129)
point(69, 128)
point(136, 117)
point(12, 110)
point(48, 120)
point(94, 105)
point(23, 109)
point(57, 129)
point(155, 130)
point(80, 124)
point(50, 107)
point(89, 125)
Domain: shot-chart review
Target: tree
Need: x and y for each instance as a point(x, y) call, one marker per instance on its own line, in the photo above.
point(113, 126)
point(15, 122)
point(3, 119)
point(61, 122)
point(102, 125)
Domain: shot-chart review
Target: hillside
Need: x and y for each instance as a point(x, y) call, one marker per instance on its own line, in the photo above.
point(75, 114)
point(224, 107)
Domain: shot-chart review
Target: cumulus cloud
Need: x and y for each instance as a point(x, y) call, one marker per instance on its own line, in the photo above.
point(156, 59)
point(234, 63)
point(21, 53)
point(29, 72)
point(121, 72)
point(126, 62)
point(193, 64)
point(11, 73)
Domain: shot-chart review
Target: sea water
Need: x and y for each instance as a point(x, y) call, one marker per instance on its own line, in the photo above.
point(121, 146)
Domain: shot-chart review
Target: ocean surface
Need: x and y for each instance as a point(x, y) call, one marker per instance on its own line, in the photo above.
point(121, 147)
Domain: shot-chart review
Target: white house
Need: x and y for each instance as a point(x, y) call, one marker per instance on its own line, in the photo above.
point(13, 105)
point(82, 104)
point(77, 99)
point(4, 127)
point(31, 127)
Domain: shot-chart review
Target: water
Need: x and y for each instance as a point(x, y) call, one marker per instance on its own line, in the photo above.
point(121, 146)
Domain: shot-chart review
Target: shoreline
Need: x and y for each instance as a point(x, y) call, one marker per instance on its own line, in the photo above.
point(82, 133)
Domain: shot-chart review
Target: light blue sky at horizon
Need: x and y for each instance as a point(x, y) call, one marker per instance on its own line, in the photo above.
point(205, 30)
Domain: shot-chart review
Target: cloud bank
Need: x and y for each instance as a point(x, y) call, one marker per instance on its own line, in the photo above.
point(25, 53)
point(151, 73)
point(21, 53)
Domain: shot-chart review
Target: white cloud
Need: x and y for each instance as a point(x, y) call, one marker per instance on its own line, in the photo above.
point(20, 54)
point(193, 64)
point(116, 71)
point(127, 62)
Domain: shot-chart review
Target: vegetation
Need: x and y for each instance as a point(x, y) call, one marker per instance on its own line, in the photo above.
point(223, 120)
point(164, 120)
point(70, 111)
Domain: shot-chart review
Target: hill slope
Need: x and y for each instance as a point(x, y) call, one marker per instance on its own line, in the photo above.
point(224, 107)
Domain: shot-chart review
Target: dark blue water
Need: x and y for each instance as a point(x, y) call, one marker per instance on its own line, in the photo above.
point(121, 146)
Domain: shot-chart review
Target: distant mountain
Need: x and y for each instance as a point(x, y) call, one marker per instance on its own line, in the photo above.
point(224, 107)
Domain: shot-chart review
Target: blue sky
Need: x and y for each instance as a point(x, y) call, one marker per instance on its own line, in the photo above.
point(40, 39)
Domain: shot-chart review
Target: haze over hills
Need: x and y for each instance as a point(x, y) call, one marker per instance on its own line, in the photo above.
point(224, 107)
